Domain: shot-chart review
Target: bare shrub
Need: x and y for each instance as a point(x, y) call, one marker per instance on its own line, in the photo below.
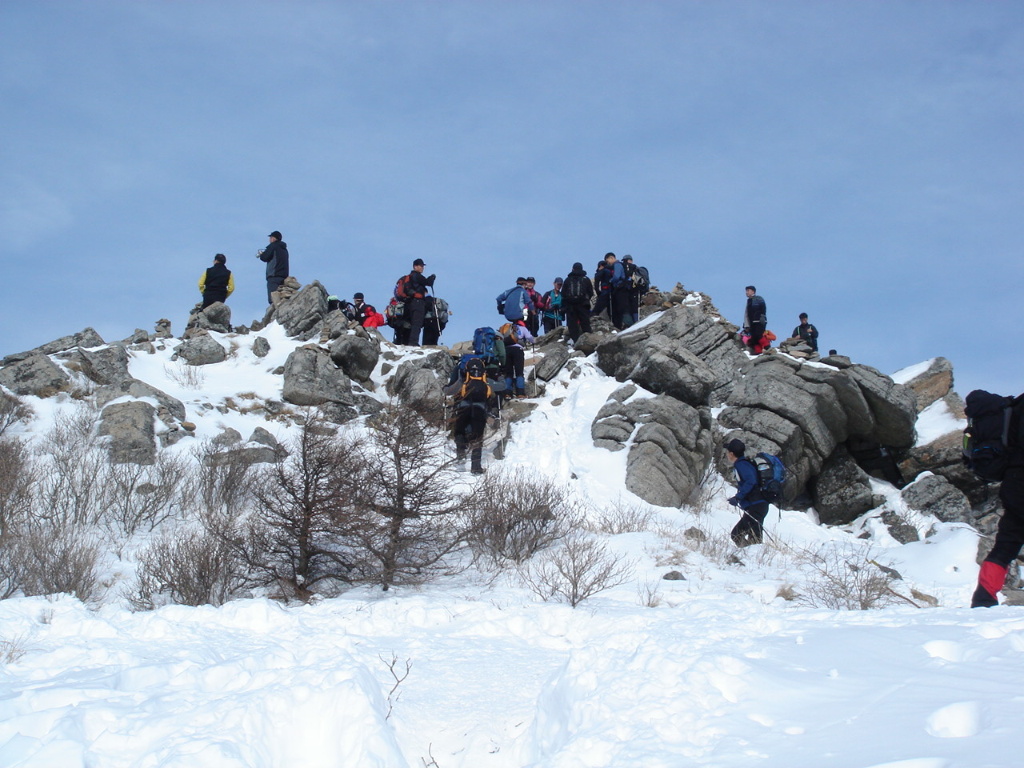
point(194, 568)
point(516, 514)
point(12, 410)
point(843, 578)
point(18, 477)
point(185, 376)
point(579, 569)
point(13, 648)
point(297, 537)
point(622, 517)
point(222, 487)
point(71, 461)
point(648, 594)
point(45, 559)
point(708, 488)
point(402, 512)
point(137, 496)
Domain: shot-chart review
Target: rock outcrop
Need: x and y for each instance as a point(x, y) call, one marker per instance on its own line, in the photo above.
point(130, 427)
point(35, 375)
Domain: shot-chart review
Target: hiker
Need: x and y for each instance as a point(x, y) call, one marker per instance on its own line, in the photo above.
point(622, 317)
point(988, 422)
point(473, 396)
point(435, 321)
point(755, 320)
point(217, 282)
point(603, 285)
point(414, 293)
point(513, 335)
point(276, 257)
point(807, 332)
point(515, 303)
point(750, 529)
point(577, 291)
point(639, 283)
point(533, 318)
point(366, 314)
point(551, 306)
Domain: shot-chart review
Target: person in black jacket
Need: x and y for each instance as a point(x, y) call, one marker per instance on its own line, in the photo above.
point(276, 257)
point(755, 317)
point(416, 301)
point(473, 396)
point(217, 282)
point(750, 529)
point(807, 332)
point(577, 292)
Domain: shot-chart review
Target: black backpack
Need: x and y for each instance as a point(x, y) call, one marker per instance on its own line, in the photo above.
point(573, 291)
point(993, 433)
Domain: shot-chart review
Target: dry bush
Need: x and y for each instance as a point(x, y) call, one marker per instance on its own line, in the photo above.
point(843, 578)
point(708, 488)
point(195, 568)
point(622, 517)
point(514, 515)
point(70, 463)
point(12, 410)
point(137, 496)
point(18, 477)
point(13, 648)
point(577, 570)
point(403, 516)
point(185, 376)
point(45, 559)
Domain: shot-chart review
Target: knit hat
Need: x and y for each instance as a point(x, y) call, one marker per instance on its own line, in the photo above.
point(577, 267)
point(735, 447)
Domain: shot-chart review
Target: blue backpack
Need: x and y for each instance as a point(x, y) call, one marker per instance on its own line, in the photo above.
point(771, 476)
point(483, 342)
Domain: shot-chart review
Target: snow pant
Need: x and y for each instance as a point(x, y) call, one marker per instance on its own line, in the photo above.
point(415, 313)
point(1009, 539)
point(273, 283)
point(750, 529)
point(550, 323)
point(604, 299)
point(622, 317)
point(634, 307)
point(401, 333)
point(577, 319)
point(470, 422)
point(515, 362)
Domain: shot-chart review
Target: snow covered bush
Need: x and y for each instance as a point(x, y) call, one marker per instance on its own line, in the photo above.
point(192, 568)
point(43, 557)
point(846, 578)
point(580, 568)
point(622, 517)
point(12, 410)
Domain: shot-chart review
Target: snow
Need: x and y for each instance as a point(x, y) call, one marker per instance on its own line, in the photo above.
point(473, 670)
point(911, 372)
point(937, 420)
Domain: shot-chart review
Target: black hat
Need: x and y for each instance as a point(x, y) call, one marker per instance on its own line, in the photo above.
point(627, 257)
point(419, 263)
point(558, 281)
point(803, 315)
point(276, 234)
point(520, 280)
point(577, 267)
point(750, 288)
point(531, 280)
point(220, 258)
point(358, 296)
point(735, 447)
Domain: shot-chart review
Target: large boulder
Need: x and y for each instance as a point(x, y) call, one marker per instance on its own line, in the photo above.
point(929, 382)
point(85, 338)
point(356, 356)
point(216, 317)
point(418, 381)
point(131, 431)
point(944, 456)
point(669, 443)
point(105, 366)
point(555, 358)
point(935, 495)
point(893, 406)
point(35, 375)
point(140, 390)
point(686, 353)
point(302, 313)
point(201, 349)
point(842, 491)
point(312, 378)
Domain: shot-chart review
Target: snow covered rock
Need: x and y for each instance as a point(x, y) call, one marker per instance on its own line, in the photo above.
point(555, 358)
point(311, 378)
point(201, 349)
point(130, 428)
point(216, 317)
point(935, 495)
point(302, 313)
point(107, 365)
point(35, 375)
point(356, 356)
point(930, 381)
point(85, 338)
point(842, 491)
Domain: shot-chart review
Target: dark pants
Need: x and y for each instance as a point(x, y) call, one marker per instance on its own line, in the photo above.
point(550, 323)
point(273, 283)
point(515, 362)
point(415, 313)
point(622, 317)
point(750, 529)
point(1010, 533)
point(431, 332)
point(577, 319)
point(212, 297)
point(756, 332)
point(470, 422)
point(604, 299)
point(401, 334)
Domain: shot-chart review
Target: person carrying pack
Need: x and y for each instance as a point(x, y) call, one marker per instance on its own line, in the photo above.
point(411, 289)
point(994, 450)
point(577, 292)
point(435, 321)
point(515, 303)
point(639, 282)
point(473, 395)
point(749, 497)
point(488, 345)
point(513, 335)
point(551, 306)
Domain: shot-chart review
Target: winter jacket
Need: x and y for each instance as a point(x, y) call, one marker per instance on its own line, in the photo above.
point(748, 493)
point(618, 277)
point(587, 288)
point(808, 333)
point(418, 284)
point(217, 281)
point(756, 313)
point(551, 303)
point(276, 256)
point(517, 303)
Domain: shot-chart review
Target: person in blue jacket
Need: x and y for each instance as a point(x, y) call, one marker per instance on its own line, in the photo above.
point(515, 303)
point(750, 529)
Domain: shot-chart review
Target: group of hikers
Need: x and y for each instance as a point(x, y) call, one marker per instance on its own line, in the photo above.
point(755, 334)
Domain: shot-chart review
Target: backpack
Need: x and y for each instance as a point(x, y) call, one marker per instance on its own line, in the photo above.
point(402, 292)
point(441, 311)
point(992, 434)
point(572, 290)
point(474, 389)
point(640, 279)
point(395, 313)
point(508, 333)
point(771, 476)
point(483, 342)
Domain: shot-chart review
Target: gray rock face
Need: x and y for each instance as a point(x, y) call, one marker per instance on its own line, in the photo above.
point(302, 313)
point(216, 317)
point(943, 456)
point(588, 342)
point(893, 406)
point(140, 389)
point(85, 338)
point(131, 431)
point(671, 444)
point(935, 495)
point(34, 375)
point(356, 356)
point(555, 358)
point(108, 365)
point(842, 492)
point(418, 382)
point(260, 347)
point(311, 378)
point(201, 349)
point(933, 384)
point(684, 353)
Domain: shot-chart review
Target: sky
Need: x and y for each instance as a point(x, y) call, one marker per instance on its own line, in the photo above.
point(858, 161)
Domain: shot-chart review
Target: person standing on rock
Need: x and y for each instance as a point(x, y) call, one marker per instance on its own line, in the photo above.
point(217, 282)
point(577, 292)
point(807, 332)
point(755, 319)
point(750, 529)
point(416, 303)
point(276, 257)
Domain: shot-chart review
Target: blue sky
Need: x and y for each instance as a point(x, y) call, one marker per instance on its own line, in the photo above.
point(860, 161)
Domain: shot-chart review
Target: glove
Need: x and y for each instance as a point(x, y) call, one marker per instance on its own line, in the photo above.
point(734, 502)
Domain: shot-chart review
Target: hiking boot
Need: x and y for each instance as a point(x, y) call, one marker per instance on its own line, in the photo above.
point(983, 599)
point(477, 470)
